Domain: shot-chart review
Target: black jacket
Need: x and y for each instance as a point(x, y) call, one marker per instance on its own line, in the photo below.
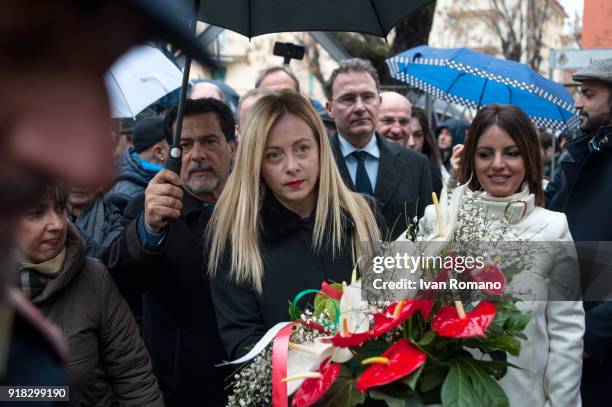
point(436, 177)
point(403, 186)
point(131, 180)
point(290, 266)
point(180, 328)
point(582, 189)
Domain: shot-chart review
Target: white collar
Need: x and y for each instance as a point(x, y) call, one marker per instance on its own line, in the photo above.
point(347, 148)
point(514, 207)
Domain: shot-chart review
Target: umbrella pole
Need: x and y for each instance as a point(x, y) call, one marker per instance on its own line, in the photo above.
point(175, 156)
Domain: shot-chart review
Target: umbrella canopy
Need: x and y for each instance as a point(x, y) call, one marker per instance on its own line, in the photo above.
point(473, 79)
point(256, 17)
point(443, 109)
point(138, 79)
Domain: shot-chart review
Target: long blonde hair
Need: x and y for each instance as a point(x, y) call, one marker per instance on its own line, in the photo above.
point(235, 222)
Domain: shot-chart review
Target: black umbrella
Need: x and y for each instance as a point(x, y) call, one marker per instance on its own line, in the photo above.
point(257, 17)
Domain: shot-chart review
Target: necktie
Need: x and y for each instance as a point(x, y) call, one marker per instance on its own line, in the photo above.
point(362, 180)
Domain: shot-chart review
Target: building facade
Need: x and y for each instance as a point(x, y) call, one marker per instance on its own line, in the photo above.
point(527, 29)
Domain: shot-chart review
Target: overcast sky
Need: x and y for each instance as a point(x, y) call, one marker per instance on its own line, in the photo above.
point(571, 8)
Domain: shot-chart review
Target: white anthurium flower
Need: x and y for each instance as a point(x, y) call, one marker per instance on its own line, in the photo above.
point(446, 215)
point(353, 317)
point(353, 309)
point(447, 211)
point(305, 357)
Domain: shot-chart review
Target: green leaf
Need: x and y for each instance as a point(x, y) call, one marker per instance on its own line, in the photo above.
point(495, 368)
point(517, 323)
point(507, 343)
point(427, 338)
point(292, 312)
point(343, 393)
point(433, 377)
point(323, 305)
point(396, 396)
point(490, 393)
point(323, 302)
point(457, 390)
point(412, 378)
point(467, 384)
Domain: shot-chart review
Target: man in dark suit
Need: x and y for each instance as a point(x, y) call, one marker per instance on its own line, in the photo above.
point(397, 177)
point(582, 190)
point(160, 254)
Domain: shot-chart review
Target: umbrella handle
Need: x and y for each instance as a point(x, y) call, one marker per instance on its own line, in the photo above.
point(173, 163)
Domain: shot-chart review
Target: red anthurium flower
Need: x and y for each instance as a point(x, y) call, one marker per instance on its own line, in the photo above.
point(491, 273)
point(391, 317)
point(448, 323)
point(312, 390)
point(425, 307)
point(331, 291)
point(350, 339)
point(402, 358)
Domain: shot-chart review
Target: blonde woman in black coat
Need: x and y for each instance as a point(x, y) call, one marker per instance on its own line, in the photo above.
point(285, 221)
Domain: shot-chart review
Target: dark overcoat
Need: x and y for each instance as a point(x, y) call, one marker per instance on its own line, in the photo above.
point(582, 189)
point(180, 328)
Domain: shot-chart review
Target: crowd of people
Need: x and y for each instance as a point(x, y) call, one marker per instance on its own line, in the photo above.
point(132, 291)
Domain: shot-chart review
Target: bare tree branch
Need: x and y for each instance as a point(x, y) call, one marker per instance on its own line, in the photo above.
point(312, 57)
point(519, 26)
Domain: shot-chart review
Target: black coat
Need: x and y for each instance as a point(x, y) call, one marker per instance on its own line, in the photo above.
point(436, 177)
point(290, 266)
point(582, 189)
point(180, 328)
point(403, 185)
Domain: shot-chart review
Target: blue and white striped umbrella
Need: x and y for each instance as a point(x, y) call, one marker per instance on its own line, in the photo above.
point(473, 79)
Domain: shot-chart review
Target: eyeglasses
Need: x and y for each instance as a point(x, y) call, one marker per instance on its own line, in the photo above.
point(388, 121)
point(351, 100)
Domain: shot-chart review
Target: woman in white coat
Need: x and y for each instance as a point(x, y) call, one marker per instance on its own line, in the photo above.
point(501, 168)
